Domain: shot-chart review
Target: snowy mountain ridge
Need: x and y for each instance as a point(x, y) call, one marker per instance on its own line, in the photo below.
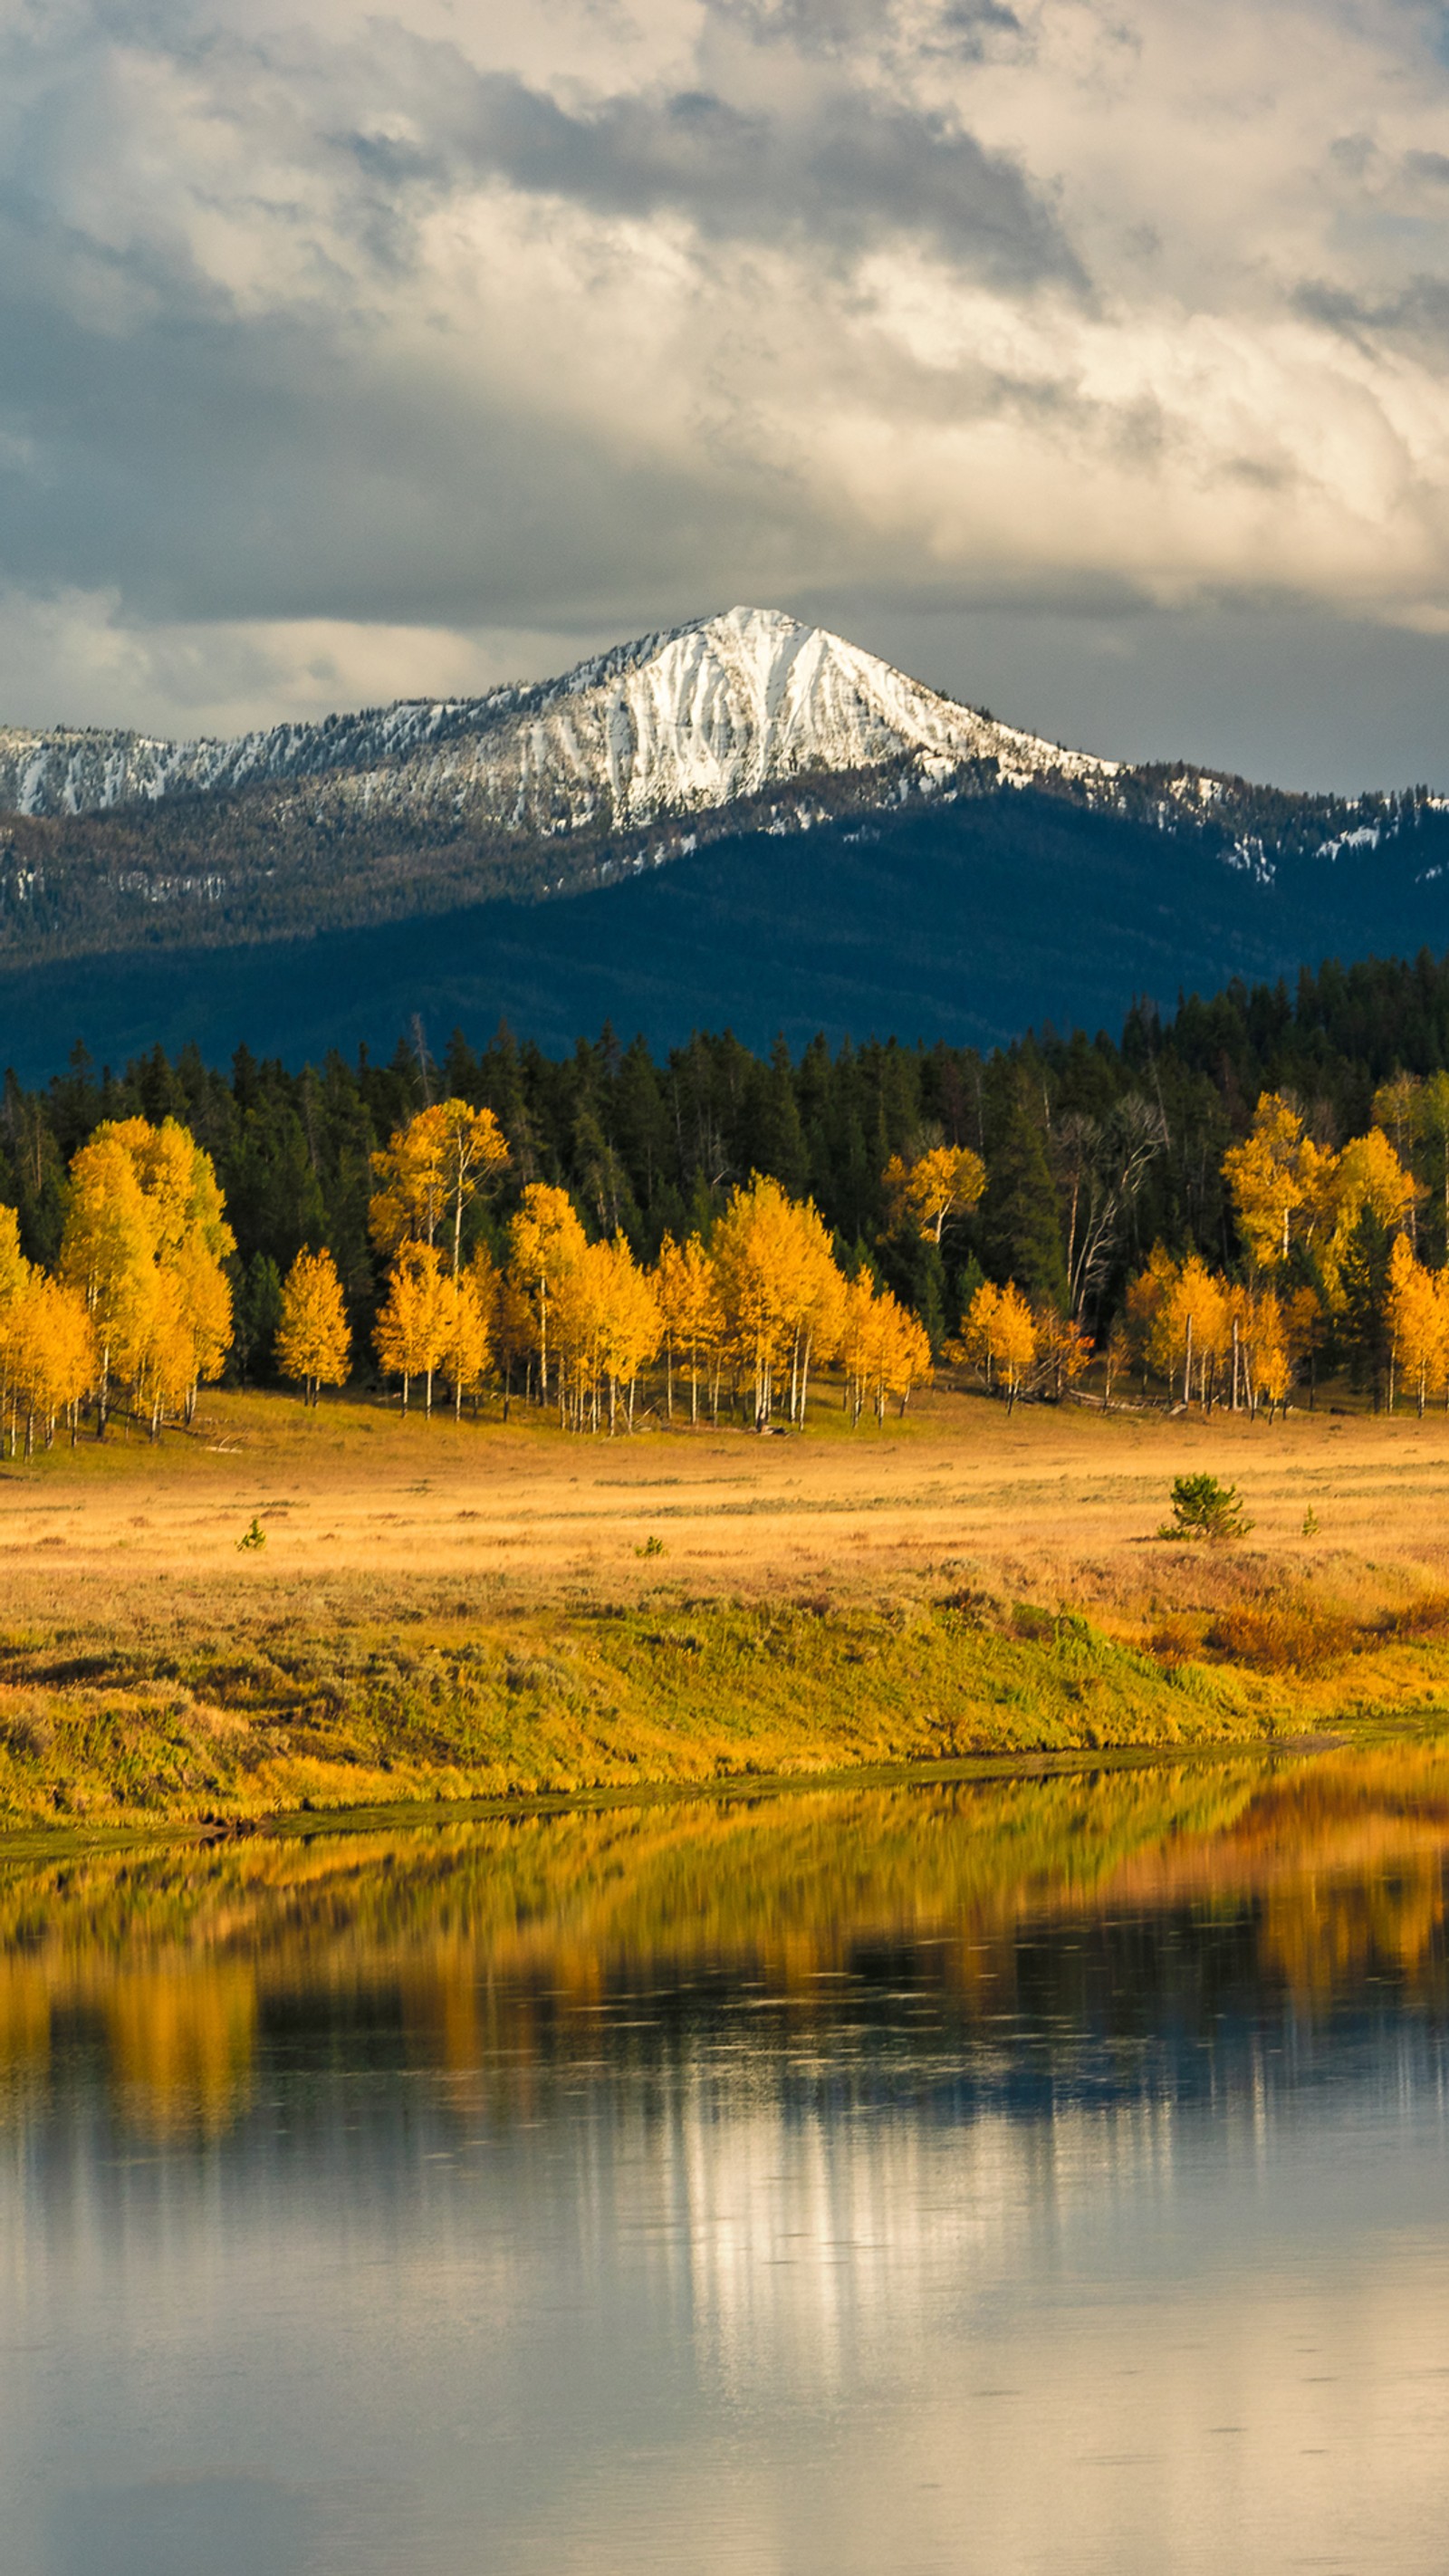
point(678, 722)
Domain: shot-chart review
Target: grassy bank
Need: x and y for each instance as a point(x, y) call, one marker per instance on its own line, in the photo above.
point(449, 1612)
point(265, 1710)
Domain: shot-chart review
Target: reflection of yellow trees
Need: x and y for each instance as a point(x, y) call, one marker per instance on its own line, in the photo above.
point(181, 2037)
point(491, 1934)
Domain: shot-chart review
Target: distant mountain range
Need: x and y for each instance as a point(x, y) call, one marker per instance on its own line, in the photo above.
point(746, 821)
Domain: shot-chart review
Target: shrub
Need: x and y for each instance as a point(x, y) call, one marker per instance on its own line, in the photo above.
point(1202, 1508)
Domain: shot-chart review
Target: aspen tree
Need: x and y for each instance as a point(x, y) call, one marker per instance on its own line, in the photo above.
point(430, 1171)
point(314, 1342)
point(145, 1241)
point(1271, 1360)
point(1415, 1317)
point(1064, 1351)
point(1192, 1329)
point(546, 1240)
point(856, 1331)
point(465, 1355)
point(511, 1325)
point(15, 1275)
point(49, 1352)
point(1270, 1176)
point(632, 1324)
point(411, 1331)
point(891, 1351)
point(1016, 1342)
point(690, 1311)
point(191, 1240)
point(944, 1182)
point(108, 1252)
point(779, 1289)
point(980, 1333)
point(1369, 1175)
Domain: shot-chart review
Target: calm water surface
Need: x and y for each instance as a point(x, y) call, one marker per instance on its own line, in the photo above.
point(1006, 2177)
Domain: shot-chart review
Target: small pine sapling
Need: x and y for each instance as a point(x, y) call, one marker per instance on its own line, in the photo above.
point(1202, 1508)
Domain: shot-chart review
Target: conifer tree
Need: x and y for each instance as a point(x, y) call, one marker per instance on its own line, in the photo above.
point(1020, 1213)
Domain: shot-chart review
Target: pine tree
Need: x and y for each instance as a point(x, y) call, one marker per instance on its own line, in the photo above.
point(1020, 1215)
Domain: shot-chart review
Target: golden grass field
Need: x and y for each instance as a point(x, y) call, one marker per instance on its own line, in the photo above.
point(444, 1611)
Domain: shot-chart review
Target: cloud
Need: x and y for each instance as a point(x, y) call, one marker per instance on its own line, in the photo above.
point(510, 336)
point(852, 170)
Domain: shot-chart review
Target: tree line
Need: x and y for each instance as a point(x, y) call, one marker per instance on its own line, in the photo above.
point(1093, 1152)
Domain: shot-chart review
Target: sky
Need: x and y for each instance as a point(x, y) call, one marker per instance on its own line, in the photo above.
point(1087, 358)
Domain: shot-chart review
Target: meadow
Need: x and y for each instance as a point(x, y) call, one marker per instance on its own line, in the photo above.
point(443, 1611)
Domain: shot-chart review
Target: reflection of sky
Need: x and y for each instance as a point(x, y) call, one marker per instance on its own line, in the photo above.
point(723, 2306)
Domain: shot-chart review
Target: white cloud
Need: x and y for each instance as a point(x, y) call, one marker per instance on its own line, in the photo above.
point(348, 357)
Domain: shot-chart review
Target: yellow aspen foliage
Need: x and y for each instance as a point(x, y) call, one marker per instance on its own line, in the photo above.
point(467, 1342)
point(1369, 1175)
point(691, 1316)
point(1192, 1330)
point(1145, 1296)
point(1063, 1350)
point(780, 1291)
point(546, 1239)
point(430, 1171)
point(895, 1352)
point(856, 1320)
point(1415, 1314)
point(510, 1321)
point(883, 1349)
point(1279, 1182)
point(191, 1240)
point(49, 1353)
point(108, 1253)
point(1441, 1299)
point(607, 1327)
point(925, 1194)
point(14, 1268)
point(411, 1331)
point(1116, 1358)
point(162, 1369)
point(314, 1342)
point(1271, 1359)
point(979, 1342)
point(633, 1328)
point(145, 1242)
point(1016, 1342)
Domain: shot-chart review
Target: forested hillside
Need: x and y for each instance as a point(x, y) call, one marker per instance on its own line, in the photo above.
point(1095, 1150)
point(966, 922)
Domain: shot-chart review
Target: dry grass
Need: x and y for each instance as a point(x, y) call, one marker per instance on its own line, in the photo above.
point(444, 1608)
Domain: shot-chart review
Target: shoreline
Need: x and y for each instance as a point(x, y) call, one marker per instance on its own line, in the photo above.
point(302, 1824)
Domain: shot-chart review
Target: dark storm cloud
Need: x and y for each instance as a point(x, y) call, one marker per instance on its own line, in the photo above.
point(850, 170)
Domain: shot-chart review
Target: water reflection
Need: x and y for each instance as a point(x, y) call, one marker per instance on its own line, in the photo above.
point(492, 1947)
point(980, 2177)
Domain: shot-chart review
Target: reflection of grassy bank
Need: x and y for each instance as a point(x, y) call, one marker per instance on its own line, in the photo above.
point(489, 1938)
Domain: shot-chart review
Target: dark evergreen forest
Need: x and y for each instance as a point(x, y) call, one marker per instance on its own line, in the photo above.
point(650, 1144)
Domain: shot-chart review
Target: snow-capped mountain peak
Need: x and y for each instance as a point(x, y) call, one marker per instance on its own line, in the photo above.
point(679, 722)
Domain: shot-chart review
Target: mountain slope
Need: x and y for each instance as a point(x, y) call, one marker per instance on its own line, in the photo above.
point(967, 922)
point(747, 819)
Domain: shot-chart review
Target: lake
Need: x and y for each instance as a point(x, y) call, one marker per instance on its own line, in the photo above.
point(1012, 2175)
